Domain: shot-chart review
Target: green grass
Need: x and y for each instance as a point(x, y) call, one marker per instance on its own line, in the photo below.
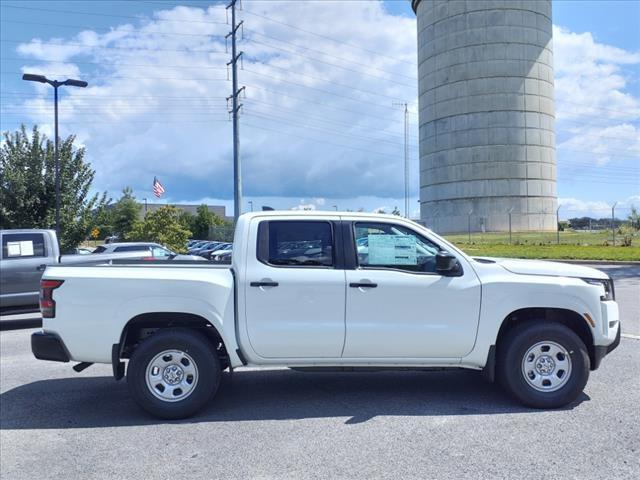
point(551, 251)
point(571, 237)
point(575, 245)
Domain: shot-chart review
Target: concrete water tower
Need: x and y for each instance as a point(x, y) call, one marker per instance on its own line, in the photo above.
point(487, 138)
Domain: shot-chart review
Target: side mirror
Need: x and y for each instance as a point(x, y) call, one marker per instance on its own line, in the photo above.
point(447, 264)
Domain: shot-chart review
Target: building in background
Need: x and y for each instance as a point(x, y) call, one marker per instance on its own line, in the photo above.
point(487, 138)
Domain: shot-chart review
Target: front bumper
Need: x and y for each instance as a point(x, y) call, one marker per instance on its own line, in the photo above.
point(48, 346)
point(601, 351)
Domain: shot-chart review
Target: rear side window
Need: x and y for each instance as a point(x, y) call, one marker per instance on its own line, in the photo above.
point(131, 248)
point(100, 249)
point(296, 243)
point(23, 245)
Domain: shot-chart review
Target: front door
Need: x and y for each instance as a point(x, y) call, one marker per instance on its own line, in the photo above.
point(295, 292)
point(398, 306)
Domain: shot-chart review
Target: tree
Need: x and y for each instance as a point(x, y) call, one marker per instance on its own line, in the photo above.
point(203, 221)
point(162, 226)
point(27, 186)
point(125, 213)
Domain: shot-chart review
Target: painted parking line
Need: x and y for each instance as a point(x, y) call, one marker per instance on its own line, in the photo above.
point(629, 335)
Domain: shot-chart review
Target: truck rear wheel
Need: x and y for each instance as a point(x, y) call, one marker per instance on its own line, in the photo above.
point(543, 365)
point(173, 373)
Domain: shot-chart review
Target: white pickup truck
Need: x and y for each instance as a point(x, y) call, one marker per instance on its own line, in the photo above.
point(340, 291)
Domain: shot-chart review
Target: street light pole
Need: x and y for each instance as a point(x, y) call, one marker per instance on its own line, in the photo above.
point(56, 156)
point(335, 207)
point(29, 77)
point(251, 204)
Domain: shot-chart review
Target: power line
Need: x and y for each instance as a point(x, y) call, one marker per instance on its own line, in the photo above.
point(323, 119)
point(106, 30)
point(317, 128)
point(342, 43)
point(110, 15)
point(118, 64)
point(323, 142)
point(313, 77)
point(293, 52)
point(88, 75)
point(323, 104)
point(281, 80)
point(128, 49)
point(96, 95)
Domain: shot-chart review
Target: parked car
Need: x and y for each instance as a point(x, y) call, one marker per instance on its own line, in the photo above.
point(145, 249)
point(204, 247)
point(222, 257)
point(80, 251)
point(191, 243)
point(198, 246)
point(208, 252)
point(297, 295)
point(24, 257)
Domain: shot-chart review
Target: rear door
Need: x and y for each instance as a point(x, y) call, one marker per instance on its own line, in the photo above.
point(295, 291)
point(24, 257)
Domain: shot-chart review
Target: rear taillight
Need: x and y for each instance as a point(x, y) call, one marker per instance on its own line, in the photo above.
point(47, 303)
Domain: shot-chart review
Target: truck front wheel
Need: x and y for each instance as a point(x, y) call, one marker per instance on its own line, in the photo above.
point(543, 365)
point(173, 373)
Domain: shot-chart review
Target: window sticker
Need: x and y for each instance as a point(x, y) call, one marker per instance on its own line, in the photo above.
point(26, 248)
point(22, 248)
point(392, 250)
point(13, 249)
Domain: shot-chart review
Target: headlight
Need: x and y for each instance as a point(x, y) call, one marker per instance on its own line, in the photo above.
point(609, 292)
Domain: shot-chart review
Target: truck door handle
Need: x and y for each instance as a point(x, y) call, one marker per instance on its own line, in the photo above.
point(363, 285)
point(264, 284)
point(41, 268)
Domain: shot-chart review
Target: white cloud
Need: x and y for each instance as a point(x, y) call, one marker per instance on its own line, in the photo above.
point(595, 111)
point(156, 103)
point(573, 207)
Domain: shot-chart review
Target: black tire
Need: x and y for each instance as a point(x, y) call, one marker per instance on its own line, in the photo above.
point(198, 349)
point(511, 371)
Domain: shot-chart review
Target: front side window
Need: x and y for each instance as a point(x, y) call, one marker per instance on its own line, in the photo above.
point(23, 245)
point(160, 252)
point(296, 243)
point(386, 245)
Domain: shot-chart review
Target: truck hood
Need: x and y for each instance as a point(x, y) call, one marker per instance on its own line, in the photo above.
point(540, 267)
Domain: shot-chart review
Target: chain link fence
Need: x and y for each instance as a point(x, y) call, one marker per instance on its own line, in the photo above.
point(221, 233)
point(604, 227)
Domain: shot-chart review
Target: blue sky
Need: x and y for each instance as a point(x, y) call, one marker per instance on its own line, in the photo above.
point(157, 75)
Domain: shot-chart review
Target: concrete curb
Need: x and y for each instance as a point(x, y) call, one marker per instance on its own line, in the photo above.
point(20, 324)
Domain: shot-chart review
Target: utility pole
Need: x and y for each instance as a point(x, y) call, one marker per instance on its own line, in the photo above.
point(235, 112)
point(406, 156)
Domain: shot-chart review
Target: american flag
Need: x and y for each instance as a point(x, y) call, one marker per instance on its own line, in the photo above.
point(158, 189)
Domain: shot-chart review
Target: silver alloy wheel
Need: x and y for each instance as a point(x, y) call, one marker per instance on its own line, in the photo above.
point(172, 375)
point(546, 366)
